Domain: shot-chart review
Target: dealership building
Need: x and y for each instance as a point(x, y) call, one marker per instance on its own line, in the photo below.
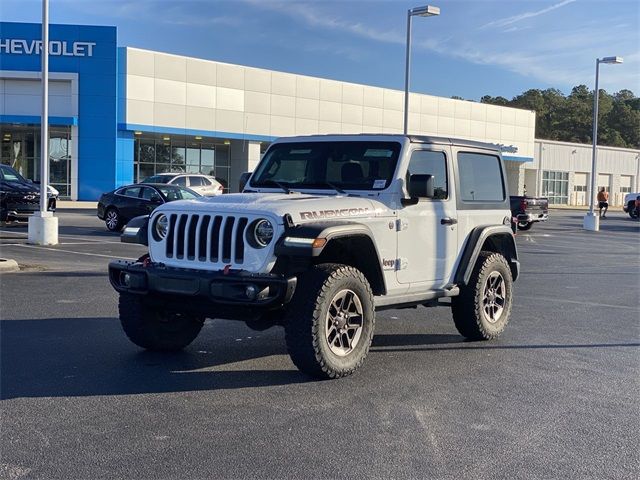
point(120, 114)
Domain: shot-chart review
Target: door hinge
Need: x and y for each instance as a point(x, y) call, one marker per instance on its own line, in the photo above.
point(402, 263)
point(402, 224)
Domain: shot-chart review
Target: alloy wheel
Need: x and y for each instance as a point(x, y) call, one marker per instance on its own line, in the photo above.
point(111, 220)
point(493, 298)
point(344, 322)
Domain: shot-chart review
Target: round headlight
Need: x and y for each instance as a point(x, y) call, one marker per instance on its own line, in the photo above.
point(263, 233)
point(162, 226)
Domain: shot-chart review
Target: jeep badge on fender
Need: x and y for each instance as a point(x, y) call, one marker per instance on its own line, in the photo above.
point(328, 230)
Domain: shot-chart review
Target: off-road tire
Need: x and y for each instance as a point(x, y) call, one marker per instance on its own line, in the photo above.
point(116, 226)
point(525, 226)
point(155, 329)
point(468, 310)
point(306, 322)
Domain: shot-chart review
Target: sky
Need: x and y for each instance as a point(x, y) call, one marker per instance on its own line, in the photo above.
point(473, 48)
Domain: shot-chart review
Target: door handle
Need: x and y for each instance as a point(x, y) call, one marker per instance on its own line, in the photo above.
point(448, 221)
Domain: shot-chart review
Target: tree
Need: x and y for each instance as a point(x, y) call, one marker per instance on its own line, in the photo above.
point(570, 118)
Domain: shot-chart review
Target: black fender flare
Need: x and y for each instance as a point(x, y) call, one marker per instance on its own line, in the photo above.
point(500, 239)
point(136, 231)
point(297, 242)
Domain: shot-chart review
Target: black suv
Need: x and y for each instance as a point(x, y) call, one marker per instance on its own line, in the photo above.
point(19, 197)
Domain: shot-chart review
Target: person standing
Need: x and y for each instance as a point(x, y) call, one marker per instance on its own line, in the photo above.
point(603, 202)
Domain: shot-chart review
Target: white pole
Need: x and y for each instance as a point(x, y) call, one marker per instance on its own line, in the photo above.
point(406, 75)
point(594, 155)
point(44, 124)
point(43, 226)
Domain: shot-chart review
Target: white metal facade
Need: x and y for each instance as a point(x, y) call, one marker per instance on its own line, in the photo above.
point(618, 170)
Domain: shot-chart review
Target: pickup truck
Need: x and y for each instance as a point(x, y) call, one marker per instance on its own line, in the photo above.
point(629, 204)
point(527, 210)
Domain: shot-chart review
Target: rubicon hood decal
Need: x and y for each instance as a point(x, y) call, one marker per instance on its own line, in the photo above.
point(343, 212)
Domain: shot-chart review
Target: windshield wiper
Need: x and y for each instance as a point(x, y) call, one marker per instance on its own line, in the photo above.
point(276, 183)
point(336, 188)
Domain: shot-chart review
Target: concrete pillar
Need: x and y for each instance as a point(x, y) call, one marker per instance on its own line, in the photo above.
point(244, 156)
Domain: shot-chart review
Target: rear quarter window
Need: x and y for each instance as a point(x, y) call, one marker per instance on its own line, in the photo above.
point(480, 178)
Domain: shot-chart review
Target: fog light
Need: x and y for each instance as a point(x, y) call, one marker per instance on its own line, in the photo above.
point(126, 279)
point(251, 292)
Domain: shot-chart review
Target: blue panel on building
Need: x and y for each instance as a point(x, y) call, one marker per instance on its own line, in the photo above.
point(90, 52)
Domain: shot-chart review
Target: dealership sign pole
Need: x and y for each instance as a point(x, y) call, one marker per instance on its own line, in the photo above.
point(43, 226)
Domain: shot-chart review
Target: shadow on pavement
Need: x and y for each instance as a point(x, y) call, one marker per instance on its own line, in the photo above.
point(91, 356)
point(422, 342)
point(631, 226)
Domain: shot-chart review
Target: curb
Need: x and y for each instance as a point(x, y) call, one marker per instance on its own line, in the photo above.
point(7, 265)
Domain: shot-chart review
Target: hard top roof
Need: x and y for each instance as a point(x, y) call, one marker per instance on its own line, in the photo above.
point(390, 137)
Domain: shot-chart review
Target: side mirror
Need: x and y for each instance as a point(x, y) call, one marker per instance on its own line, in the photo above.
point(244, 178)
point(419, 186)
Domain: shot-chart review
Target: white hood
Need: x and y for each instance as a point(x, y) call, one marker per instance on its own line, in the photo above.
point(301, 206)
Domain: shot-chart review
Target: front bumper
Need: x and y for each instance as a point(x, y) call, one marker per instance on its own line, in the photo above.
point(13, 209)
point(204, 291)
point(533, 217)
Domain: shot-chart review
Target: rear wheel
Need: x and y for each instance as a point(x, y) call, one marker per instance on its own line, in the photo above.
point(156, 329)
point(482, 310)
point(524, 225)
point(631, 209)
point(330, 321)
point(112, 220)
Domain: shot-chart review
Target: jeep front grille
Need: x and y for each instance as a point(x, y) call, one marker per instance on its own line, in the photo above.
point(206, 238)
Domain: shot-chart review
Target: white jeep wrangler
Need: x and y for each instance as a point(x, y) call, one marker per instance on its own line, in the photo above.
point(328, 230)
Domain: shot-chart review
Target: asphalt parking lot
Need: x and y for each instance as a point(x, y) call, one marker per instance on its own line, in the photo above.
point(556, 397)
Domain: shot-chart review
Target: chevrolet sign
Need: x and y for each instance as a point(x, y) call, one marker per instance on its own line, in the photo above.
point(34, 47)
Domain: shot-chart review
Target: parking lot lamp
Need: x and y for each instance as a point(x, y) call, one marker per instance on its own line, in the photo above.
point(426, 11)
point(591, 220)
point(43, 226)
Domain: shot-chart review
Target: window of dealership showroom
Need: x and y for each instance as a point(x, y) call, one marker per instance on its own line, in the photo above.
point(21, 150)
point(159, 153)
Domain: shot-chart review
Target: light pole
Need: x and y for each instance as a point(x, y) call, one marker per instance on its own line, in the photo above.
point(426, 11)
point(43, 226)
point(591, 220)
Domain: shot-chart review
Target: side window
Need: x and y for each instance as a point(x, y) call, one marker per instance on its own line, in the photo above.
point(131, 192)
point(425, 162)
point(480, 178)
point(150, 194)
point(196, 181)
point(182, 181)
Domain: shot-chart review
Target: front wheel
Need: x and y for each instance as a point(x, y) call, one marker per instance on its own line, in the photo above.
point(112, 220)
point(156, 329)
point(632, 210)
point(482, 310)
point(330, 321)
point(524, 225)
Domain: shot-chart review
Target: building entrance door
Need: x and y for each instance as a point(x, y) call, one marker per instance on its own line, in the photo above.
point(580, 182)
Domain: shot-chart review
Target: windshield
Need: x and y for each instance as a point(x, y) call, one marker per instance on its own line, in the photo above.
point(328, 165)
point(8, 174)
point(172, 193)
point(158, 179)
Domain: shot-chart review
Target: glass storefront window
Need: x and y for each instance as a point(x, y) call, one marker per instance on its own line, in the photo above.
point(555, 186)
point(153, 154)
point(21, 150)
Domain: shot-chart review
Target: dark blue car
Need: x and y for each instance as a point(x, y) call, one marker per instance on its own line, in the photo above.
point(116, 208)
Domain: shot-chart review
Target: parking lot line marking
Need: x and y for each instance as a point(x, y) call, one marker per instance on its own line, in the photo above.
point(72, 237)
point(75, 253)
point(577, 302)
